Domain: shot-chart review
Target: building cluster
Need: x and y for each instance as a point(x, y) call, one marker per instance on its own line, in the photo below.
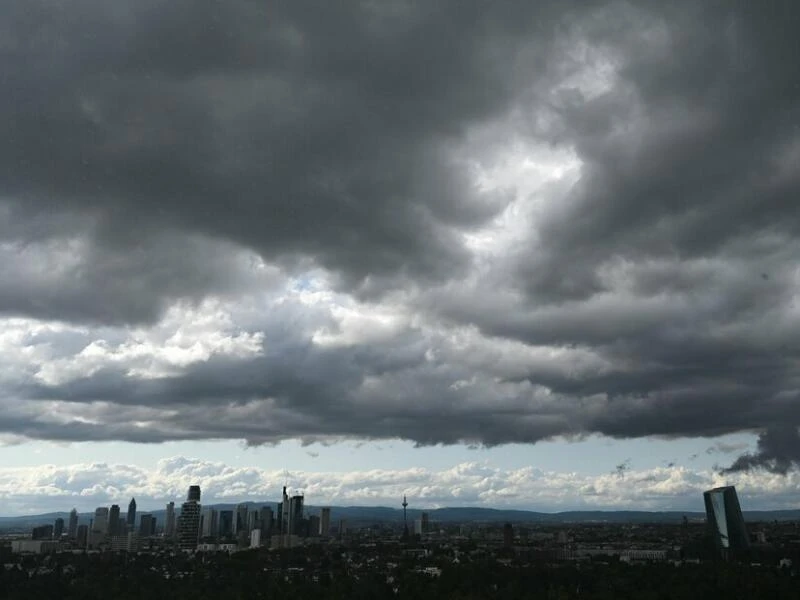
point(191, 527)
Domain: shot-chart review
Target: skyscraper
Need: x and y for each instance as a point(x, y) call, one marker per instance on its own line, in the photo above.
point(313, 525)
point(58, 528)
point(325, 522)
point(72, 528)
point(240, 522)
point(265, 520)
point(147, 526)
point(113, 520)
point(283, 513)
point(296, 516)
point(189, 520)
point(225, 520)
point(209, 526)
point(725, 520)
point(100, 524)
point(99, 527)
point(131, 516)
point(169, 523)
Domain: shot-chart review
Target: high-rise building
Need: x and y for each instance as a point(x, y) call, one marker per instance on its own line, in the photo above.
point(725, 520)
point(225, 519)
point(240, 524)
point(325, 522)
point(98, 529)
point(253, 520)
point(58, 529)
point(100, 524)
point(255, 538)
point(82, 536)
point(131, 516)
point(265, 520)
point(283, 510)
point(296, 516)
point(208, 523)
point(72, 529)
point(169, 523)
point(313, 525)
point(421, 524)
point(147, 526)
point(113, 520)
point(189, 520)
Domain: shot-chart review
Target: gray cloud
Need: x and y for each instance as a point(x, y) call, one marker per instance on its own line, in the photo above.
point(319, 171)
point(778, 451)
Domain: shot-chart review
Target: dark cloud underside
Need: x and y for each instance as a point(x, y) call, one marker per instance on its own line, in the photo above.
point(157, 154)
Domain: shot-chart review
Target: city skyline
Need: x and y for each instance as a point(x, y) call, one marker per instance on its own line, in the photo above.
point(523, 255)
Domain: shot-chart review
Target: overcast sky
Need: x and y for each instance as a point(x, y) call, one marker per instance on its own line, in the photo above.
point(537, 254)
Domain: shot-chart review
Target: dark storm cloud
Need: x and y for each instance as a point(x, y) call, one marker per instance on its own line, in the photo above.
point(778, 451)
point(155, 152)
point(289, 128)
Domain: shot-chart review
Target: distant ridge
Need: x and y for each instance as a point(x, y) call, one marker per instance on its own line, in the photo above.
point(361, 515)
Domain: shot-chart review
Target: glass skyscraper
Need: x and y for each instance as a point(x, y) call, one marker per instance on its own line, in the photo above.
point(725, 520)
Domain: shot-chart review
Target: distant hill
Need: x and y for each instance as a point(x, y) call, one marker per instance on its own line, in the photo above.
point(362, 515)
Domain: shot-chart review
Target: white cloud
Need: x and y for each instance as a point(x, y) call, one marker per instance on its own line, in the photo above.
point(48, 487)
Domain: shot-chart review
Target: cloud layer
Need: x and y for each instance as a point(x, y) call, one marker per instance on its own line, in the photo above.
point(446, 222)
point(50, 488)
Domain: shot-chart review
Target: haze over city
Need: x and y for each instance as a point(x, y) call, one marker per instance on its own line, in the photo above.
point(533, 255)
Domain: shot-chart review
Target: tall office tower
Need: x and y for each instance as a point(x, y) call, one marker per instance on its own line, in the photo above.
point(58, 529)
point(253, 520)
point(313, 525)
point(100, 524)
point(82, 535)
point(189, 520)
point(255, 538)
point(725, 520)
point(425, 522)
point(208, 523)
point(113, 520)
point(147, 526)
point(131, 516)
point(325, 522)
point(225, 519)
point(240, 524)
point(98, 528)
point(169, 524)
point(72, 529)
point(296, 515)
point(265, 520)
point(284, 512)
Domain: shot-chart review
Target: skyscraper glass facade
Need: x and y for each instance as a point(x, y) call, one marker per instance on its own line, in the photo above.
point(725, 520)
